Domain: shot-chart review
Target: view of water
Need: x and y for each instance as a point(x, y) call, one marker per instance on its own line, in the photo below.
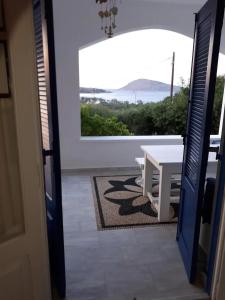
point(130, 96)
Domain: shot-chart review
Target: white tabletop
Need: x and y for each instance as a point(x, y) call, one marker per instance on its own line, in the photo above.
point(170, 154)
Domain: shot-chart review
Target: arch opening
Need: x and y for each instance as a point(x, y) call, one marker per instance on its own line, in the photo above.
point(125, 84)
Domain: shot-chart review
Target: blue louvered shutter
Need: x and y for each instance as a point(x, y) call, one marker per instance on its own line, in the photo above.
point(45, 61)
point(208, 28)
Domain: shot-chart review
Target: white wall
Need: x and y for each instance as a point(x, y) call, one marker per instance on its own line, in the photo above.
point(76, 26)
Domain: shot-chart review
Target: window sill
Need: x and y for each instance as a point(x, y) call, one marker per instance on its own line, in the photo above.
point(136, 138)
point(129, 138)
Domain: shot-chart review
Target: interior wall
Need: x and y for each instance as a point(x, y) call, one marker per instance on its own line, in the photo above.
point(77, 25)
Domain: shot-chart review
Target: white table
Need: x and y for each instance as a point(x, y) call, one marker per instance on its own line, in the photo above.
point(167, 159)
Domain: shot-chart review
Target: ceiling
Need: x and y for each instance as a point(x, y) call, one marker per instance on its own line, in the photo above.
point(190, 2)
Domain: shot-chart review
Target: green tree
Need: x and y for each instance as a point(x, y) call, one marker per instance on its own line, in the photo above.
point(218, 99)
point(100, 117)
point(139, 120)
point(96, 125)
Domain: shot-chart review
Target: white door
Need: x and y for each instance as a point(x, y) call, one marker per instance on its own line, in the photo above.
point(24, 266)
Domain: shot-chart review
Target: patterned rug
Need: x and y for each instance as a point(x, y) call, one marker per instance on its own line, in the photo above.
point(119, 202)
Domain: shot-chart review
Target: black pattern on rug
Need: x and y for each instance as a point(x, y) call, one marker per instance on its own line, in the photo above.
point(120, 202)
point(126, 205)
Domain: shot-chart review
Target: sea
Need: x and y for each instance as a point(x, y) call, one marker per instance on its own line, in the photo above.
point(130, 96)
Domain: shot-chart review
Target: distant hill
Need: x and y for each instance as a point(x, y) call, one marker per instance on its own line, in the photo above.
point(85, 90)
point(149, 85)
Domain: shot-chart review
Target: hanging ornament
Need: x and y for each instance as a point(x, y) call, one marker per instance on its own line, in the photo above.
point(107, 14)
point(101, 15)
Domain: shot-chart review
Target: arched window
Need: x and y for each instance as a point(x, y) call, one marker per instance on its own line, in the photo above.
point(125, 84)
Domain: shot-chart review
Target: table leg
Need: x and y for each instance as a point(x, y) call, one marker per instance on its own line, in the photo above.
point(164, 195)
point(148, 174)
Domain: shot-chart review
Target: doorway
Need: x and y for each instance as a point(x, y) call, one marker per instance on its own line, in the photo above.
point(86, 226)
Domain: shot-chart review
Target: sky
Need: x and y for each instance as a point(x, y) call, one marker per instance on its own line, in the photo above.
point(143, 54)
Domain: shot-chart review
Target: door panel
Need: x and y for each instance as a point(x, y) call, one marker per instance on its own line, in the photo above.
point(14, 269)
point(24, 265)
point(204, 68)
point(11, 211)
point(44, 36)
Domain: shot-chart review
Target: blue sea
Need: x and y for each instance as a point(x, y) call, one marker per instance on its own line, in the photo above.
point(130, 96)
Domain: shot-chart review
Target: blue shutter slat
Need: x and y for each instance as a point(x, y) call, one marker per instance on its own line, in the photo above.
point(41, 75)
point(198, 97)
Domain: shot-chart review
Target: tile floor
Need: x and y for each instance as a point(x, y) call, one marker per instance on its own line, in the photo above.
point(124, 264)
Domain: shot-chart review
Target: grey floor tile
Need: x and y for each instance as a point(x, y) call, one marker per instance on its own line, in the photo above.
point(93, 292)
point(141, 262)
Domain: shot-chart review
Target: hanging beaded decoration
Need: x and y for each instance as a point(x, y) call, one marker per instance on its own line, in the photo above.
point(108, 13)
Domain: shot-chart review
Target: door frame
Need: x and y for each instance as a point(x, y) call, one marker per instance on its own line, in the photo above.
point(218, 286)
point(218, 215)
